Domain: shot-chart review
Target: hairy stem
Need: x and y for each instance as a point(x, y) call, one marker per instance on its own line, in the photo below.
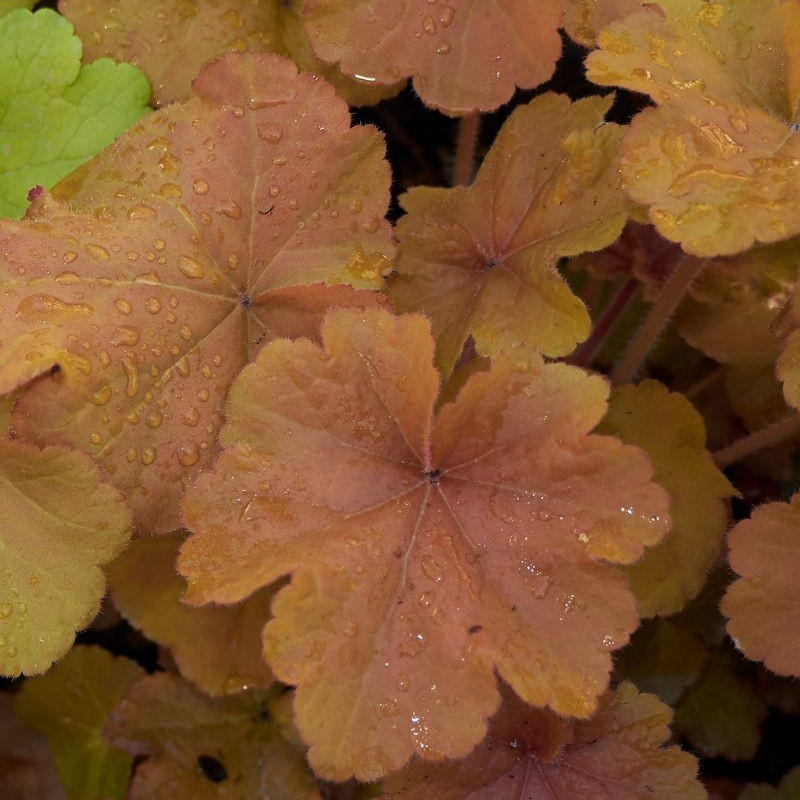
point(785, 428)
point(673, 291)
point(467, 144)
point(611, 313)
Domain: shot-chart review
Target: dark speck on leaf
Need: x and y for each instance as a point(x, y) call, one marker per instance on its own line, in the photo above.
point(475, 629)
point(213, 769)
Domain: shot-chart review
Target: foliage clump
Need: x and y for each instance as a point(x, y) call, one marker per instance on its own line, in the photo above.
point(476, 483)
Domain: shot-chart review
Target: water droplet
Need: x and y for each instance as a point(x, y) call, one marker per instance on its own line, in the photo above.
point(102, 396)
point(148, 455)
point(230, 208)
point(189, 455)
point(191, 267)
point(444, 48)
point(67, 278)
point(6, 610)
point(142, 211)
point(126, 336)
point(402, 684)
point(350, 628)
point(153, 305)
point(270, 133)
point(154, 420)
point(200, 186)
point(97, 252)
point(123, 306)
point(431, 568)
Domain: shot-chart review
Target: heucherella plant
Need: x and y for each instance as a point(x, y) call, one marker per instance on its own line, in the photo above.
point(340, 464)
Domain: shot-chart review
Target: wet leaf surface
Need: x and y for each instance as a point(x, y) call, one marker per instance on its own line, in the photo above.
point(425, 552)
point(463, 56)
point(619, 754)
point(482, 260)
point(718, 161)
point(164, 264)
point(56, 114)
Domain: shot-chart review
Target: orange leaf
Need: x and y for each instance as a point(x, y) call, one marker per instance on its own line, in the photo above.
point(218, 648)
point(718, 162)
point(426, 551)
point(762, 609)
point(482, 260)
point(619, 754)
point(239, 748)
point(171, 41)
point(464, 55)
point(173, 260)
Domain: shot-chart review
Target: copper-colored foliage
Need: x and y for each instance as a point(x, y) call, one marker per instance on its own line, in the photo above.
point(164, 264)
point(482, 260)
point(171, 40)
point(463, 55)
point(718, 161)
point(529, 754)
point(425, 551)
point(762, 608)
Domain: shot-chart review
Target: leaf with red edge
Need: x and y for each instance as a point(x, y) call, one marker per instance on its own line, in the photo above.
point(619, 754)
point(218, 648)
point(171, 41)
point(426, 551)
point(584, 19)
point(671, 574)
point(193, 746)
point(718, 161)
point(463, 55)
point(177, 253)
point(60, 524)
point(482, 260)
point(761, 606)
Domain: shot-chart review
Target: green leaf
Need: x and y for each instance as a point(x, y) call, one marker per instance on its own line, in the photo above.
point(70, 705)
point(54, 113)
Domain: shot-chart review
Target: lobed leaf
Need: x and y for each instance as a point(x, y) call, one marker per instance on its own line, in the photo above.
point(425, 551)
point(481, 261)
point(61, 524)
point(619, 754)
point(54, 113)
point(218, 648)
point(463, 55)
point(237, 748)
point(172, 41)
point(673, 572)
point(718, 161)
point(209, 228)
point(69, 706)
point(761, 605)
